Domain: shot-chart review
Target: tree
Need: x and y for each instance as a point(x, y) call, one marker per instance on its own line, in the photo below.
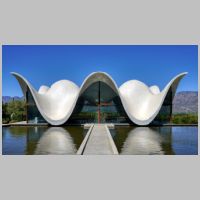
point(5, 116)
point(14, 111)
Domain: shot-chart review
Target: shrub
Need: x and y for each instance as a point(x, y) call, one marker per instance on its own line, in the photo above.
point(185, 118)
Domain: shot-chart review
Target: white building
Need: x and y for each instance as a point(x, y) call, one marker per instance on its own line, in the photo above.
point(99, 100)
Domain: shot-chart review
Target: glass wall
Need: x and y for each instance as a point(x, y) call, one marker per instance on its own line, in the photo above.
point(165, 113)
point(33, 114)
point(99, 103)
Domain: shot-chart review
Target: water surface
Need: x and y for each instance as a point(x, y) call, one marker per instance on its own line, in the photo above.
point(19, 140)
point(168, 140)
point(41, 140)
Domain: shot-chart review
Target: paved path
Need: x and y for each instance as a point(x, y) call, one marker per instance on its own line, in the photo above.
point(100, 142)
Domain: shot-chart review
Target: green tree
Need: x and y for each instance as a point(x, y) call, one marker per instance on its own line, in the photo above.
point(14, 111)
point(5, 116)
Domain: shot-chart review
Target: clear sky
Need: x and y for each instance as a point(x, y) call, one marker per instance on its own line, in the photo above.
point(151, 64)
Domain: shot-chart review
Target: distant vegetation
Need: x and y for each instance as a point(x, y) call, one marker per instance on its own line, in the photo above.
point(185, 118)
point(13, 111)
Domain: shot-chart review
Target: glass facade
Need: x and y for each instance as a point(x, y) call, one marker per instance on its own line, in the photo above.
point(99, 103)
point(33, 114)
point(165, 113)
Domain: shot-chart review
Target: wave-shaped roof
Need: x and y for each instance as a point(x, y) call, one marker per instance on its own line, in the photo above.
point(141, 103)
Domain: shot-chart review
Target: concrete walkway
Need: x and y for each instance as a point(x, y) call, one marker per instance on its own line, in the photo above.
point(100, 141)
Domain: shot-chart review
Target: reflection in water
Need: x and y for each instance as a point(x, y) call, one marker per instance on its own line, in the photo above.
point(20, 140)
point(185, 140)
point(142, 141)
point(167, 140)
point(56, 140)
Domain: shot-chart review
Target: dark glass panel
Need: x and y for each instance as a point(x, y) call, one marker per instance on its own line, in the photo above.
point(165, 113)
point(33, 114)
point(99, 103)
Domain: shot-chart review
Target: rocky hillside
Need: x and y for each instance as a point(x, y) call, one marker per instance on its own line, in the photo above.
point(185, 102)
point(7, 99)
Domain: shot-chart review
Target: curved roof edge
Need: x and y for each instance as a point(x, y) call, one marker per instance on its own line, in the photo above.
point(141, 111)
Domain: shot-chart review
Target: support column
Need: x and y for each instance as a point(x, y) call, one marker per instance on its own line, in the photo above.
point(99, 114)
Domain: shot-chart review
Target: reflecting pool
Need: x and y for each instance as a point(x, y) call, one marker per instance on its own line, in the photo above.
point(168, 140)
point(129, 140)
point(20, 140)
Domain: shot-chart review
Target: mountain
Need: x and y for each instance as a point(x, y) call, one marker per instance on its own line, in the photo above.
point(7, 99)
point(185, 102)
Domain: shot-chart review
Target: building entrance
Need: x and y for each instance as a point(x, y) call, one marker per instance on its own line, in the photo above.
point(99, 103)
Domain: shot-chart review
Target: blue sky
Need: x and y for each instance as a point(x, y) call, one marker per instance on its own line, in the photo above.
point(151, 64)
